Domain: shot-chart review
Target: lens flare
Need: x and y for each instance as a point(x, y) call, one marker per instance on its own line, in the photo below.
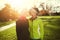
point(21, 4)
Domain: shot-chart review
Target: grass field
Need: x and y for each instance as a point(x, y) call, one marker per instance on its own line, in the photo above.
point(51, 29)
point(5, 23)
point(8, 34)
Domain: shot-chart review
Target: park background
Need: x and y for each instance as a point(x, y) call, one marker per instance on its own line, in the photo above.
point(11, 10)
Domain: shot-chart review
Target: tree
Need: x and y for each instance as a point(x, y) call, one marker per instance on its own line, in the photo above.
point(8, 14)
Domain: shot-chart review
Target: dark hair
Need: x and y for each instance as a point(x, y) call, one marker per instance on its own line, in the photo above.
point(36, 9)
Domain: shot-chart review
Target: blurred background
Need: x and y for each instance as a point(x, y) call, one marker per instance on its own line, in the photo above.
point(11, 10)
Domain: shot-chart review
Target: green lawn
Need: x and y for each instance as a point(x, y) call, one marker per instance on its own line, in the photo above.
point(51, 29)
point(5, 23)
point(8, 34)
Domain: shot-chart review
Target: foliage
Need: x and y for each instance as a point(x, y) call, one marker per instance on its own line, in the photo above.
point(8, 14)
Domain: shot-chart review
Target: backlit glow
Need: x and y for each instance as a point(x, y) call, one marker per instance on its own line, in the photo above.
point(23, 4)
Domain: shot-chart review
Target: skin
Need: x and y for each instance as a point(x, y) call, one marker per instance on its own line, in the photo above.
point(33, 13)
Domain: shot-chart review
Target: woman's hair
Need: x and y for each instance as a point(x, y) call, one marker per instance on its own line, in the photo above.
point(34, 10)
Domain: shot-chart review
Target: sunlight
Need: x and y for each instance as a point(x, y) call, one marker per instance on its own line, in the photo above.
point(21, 4)
point(26, 4)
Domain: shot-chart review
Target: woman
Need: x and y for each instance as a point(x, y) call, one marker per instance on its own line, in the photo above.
point(36, 28)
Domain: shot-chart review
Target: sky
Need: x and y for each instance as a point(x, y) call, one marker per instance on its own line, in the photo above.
point(17, 4)
point(21, 4)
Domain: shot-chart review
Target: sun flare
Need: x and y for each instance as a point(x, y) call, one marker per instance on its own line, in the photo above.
point(27, 4)
point(21, 4)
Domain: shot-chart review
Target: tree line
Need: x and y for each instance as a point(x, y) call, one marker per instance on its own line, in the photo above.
point(8, 14)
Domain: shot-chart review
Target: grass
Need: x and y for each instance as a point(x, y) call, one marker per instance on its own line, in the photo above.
point(5, 23)
point(8, 34)
point(49, 16)
point(51, 29)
